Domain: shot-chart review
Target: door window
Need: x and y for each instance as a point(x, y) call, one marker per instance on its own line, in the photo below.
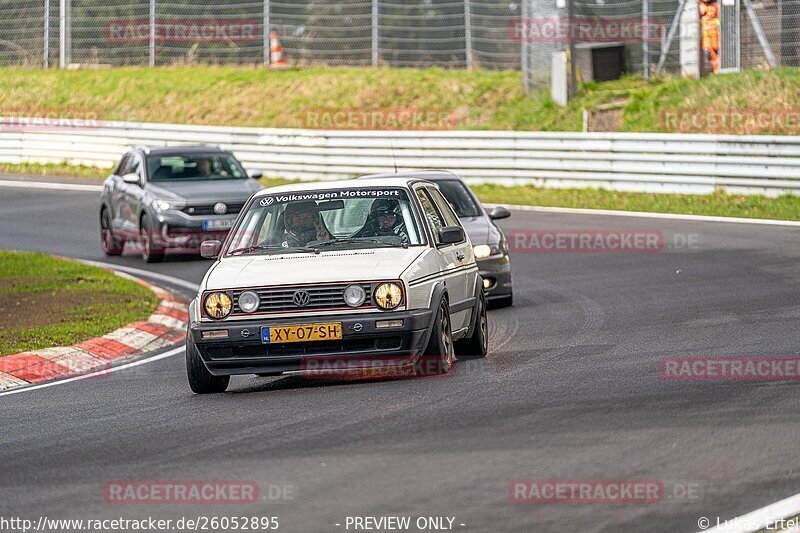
point(120, 171)
point(449, 216)
point(434, 219)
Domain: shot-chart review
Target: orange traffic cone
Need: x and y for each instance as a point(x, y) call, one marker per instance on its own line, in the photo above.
point(276, 59)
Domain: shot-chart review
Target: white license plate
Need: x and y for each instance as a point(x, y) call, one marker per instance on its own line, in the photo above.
point(224, 223)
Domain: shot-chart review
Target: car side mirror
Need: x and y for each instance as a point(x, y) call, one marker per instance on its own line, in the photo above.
point(451, 234)
point(210, 249)
point(131, 178)
point(499, 212)
point(256, 175)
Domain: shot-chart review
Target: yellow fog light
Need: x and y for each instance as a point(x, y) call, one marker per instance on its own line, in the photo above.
point(388, 296)
point(218, 305)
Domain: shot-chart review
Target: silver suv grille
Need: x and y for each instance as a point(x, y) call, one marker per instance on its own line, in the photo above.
point(320, 298)
point(208, 209)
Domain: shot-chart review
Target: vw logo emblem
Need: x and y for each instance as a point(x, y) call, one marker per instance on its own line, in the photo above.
point(267, 201)
point(301, 298)
point(220, 208)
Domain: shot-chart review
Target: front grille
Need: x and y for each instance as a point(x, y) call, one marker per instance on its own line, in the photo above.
point(208, 209)
point(321, 297)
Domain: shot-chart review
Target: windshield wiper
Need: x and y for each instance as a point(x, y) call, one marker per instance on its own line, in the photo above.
point(258, 247)
point(351, 240)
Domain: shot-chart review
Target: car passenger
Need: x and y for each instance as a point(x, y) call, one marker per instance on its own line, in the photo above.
point(303, 224)
point(384, 220)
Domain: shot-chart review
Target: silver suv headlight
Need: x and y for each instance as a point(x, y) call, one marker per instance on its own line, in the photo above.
point(482, 251)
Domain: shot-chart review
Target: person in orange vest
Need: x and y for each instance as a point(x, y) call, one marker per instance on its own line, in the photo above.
point(709, 25)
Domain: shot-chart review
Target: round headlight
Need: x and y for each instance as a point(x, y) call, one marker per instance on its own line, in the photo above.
point(249, 301)
point(354, 295)
point(218, 305)
point(482, 251)
point(388, 296)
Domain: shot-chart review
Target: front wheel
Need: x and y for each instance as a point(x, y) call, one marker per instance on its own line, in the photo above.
point(201, 381)
point(439, 355)
point(152, 251)
point(111, 244)
point(477, 345)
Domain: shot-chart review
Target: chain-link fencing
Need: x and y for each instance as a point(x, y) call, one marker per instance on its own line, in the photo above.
point(643, 36)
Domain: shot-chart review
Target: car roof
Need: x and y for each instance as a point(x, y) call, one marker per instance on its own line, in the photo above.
point(389, 180)
point(181, 150)
point(428, 175)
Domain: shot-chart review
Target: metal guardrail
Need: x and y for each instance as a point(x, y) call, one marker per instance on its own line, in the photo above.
point(678, 163)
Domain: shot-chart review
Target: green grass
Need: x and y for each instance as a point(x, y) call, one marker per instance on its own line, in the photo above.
point(718, 204)
point(476, 99)
point(92, 302)
point(64, 170)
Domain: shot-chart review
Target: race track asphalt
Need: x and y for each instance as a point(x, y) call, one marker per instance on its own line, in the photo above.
point(570, 391)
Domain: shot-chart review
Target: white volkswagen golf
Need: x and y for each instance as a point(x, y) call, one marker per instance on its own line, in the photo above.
point(335, 278)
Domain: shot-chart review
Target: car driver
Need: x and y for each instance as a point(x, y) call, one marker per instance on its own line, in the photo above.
point(204, 167)
point(384, 220)
point(303, 224)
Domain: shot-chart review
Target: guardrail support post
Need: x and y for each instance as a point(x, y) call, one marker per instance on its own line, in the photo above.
point(646, 38)
point(375, 37)
point(265, 37)
point(526, 81)
point(152, 33)
point(468, 32)
point(62, 34)
point(46, 43)
point(573, 74)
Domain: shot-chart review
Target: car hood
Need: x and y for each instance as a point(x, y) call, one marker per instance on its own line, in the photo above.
point(333, 266)
point(204, 191)
point(480, 230)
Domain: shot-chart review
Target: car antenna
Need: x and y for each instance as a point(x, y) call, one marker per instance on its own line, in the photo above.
point(394, 161)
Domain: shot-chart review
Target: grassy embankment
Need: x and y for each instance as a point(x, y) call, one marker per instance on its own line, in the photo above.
point(50, 302)
point(244, 96)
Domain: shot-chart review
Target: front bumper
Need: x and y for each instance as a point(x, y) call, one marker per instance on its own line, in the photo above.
point(178, 230)
point(497, 270)
point(363, 345)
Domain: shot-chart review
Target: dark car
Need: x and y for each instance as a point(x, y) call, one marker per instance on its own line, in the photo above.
point(172, 198)
point(491, 246)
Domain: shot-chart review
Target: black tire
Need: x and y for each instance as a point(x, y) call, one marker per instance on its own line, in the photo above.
point(111, 244)
point(152, 252)
point(201, 381)
point(477, 345)
point(439, 355)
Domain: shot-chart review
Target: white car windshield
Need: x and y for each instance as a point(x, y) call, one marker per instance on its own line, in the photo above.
point(315, 221)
